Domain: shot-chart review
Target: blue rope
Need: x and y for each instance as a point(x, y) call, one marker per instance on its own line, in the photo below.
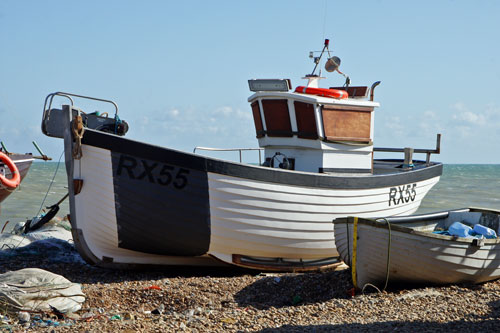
point(117, 122)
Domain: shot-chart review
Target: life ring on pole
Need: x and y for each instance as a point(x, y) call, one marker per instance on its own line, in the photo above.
point(13, 182)
point(332, 93)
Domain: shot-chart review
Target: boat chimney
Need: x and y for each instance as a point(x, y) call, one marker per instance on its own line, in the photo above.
point(313, 80)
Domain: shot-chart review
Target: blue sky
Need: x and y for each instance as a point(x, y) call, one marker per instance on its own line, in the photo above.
point(179, 70)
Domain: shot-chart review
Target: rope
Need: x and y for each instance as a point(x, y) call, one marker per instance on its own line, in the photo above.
point(50, 185)
point(118, 121)
point(370, 285)
point(5, 225)
point(348, 242)
point(389, 243)
point(78, 131)
point(388, 253)
point(354, 254)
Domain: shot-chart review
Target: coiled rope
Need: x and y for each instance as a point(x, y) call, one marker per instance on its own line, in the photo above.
point(389, 243)
point(353, 257)
point(78, 130)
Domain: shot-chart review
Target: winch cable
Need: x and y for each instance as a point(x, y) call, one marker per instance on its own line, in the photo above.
point(50, 185)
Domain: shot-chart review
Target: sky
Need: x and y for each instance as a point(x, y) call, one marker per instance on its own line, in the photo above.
point(178, 70)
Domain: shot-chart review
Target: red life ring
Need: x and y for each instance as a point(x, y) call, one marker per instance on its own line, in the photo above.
point(332, 93)
point(16, 177)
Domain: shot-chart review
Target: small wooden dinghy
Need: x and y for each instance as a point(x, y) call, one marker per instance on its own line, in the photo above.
point(407, 249)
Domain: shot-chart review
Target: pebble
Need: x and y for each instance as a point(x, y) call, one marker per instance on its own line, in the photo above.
point(23, 316)
point(248, 301)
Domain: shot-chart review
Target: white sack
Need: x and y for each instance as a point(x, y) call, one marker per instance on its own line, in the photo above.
point(34, 289)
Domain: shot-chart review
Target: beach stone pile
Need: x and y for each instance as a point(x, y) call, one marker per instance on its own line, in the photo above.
point(235, 300)
point(196, 299)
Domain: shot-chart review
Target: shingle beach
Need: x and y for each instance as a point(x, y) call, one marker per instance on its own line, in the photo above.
point(233, 300)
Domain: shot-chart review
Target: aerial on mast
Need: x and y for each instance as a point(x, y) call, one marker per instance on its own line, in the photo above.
point(331, 65)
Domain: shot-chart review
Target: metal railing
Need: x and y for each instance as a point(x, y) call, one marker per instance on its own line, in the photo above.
point(51, 96)
point(409, 151)
point(240, 150)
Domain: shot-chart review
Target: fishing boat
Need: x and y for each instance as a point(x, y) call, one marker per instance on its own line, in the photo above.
point(13, 169)
point(414, 249)
point(135, 203)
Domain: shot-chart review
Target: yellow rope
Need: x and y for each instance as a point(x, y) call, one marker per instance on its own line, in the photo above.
point(388, 254)
point(354, 244)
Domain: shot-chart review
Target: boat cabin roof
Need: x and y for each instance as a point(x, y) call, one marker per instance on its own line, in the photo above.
point(306, 98)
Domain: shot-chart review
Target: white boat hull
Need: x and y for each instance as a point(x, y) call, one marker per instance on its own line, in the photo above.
point(249, 220)
point(278, 221)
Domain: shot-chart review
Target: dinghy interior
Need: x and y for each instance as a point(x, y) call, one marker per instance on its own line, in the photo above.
point(136, 203)
point(437, 222)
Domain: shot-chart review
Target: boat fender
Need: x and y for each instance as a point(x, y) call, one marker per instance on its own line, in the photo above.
point(13, 182)
point(331, 93)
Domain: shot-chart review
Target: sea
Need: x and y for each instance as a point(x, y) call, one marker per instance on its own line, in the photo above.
point(461, 185)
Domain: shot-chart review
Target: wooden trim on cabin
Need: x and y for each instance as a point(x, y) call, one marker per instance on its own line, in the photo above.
point(348, 139)
point(277, 117)
point(306, 120)
point(349, 108)
point(257, 119)
point(346, 123)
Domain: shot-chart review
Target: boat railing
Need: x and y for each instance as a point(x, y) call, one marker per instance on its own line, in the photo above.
point(53, 118)
point(51, 96)
point(407, 151)
point(240, 150)
point(410, 151)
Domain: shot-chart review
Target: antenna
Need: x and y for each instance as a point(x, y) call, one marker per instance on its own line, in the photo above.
point(331, 65)
point(318, 59)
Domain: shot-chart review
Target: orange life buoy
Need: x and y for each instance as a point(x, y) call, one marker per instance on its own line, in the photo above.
point(332, 93)
point(16, 177)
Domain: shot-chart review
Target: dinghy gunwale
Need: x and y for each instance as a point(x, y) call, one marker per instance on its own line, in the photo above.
point(382, 224)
